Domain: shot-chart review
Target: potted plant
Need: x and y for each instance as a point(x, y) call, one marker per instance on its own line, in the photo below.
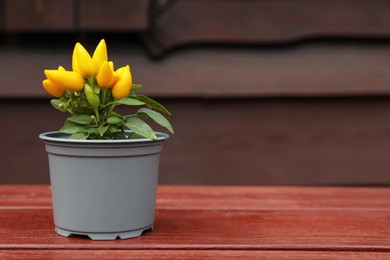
point(103, 164)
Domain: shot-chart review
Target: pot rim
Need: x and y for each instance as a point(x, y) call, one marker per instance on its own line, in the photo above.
point(57, 136)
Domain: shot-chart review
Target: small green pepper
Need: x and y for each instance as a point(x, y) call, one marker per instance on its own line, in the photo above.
point(92, 98)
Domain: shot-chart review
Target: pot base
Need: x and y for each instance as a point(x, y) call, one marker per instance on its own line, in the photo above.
point(104, 235)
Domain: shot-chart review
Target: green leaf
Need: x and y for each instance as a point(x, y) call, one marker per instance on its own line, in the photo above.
point(135, 87)
point(134, 136)
point(80, 119)
point(156, 117)
point(96, 89)
point(140, 127)
point(113, 113)
point(67, 104)
point(118, 136)
point(79, 136)
point(102, 130)
point(130, 102)
point(150, 103)
point(114, 120)
point(72, 128)
point(57, 104)
point(114, 129)
point(83, 109)
point(93, 131)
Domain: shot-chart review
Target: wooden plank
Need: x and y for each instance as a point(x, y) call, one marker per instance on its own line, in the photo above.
point(2, 15)
point(25, 197)
point(329, 230)
point(120, 15)
point(186, 254)
point(38, 15)
point(277, 142)
point(235, 142)
point(318, 69)
point(272, 198)
point(187, 22)
point(226, 198)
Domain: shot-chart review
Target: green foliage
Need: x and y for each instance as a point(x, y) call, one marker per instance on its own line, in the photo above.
point(130, 102)
point(156, 117)
point(150, 103)
point(140, 127)
point(93, 114)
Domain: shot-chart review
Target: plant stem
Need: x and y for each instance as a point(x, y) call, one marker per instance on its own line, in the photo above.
point(111, 108)
point(90, 81)
point(132, 115)
point(104, 96)
point(97, 115)
point(108, 104)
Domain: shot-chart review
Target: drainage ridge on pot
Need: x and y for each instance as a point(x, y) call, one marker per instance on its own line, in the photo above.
point(103, 188)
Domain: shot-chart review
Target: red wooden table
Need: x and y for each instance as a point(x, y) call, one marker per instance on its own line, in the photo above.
point(196, 222)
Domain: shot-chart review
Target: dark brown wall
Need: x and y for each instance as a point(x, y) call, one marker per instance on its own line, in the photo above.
point(236, 141)
point(262, 92)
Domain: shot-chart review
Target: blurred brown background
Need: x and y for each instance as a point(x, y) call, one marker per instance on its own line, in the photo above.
point(267, 92)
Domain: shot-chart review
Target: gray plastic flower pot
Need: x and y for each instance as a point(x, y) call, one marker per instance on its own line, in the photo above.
point(104, 189)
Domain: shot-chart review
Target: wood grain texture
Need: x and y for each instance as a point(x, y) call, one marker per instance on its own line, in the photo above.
point(25, 197)
point(351, 230)
point(58, 254)
point(226, 198)
point(38, 15)
point(280, 143)
point(118, 15)
point(235, 142)
point(271, 198)
point(312, 69)
point(2, 15)
point(197, 222)
point(187, 22)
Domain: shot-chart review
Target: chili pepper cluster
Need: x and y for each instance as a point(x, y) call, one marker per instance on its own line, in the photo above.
point(87, 72)
point(92, 90)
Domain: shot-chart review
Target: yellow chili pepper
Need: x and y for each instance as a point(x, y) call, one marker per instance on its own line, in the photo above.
point(84, 62)
point(99, 56)
point(115, 74)
point(105, 76)
point(66, 79)
point(53, 88)
point(75, 65)
point(114, 79)
point(120, 70)
point(122, 87)
point(111, 65)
